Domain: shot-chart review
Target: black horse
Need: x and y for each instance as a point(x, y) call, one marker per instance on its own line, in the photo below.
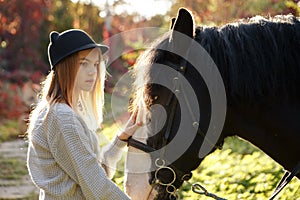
point(259, 63)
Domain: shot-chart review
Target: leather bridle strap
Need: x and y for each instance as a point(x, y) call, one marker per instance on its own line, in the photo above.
point(166, 137)
point(287, 177)
point(172, 101)
point(140, 145)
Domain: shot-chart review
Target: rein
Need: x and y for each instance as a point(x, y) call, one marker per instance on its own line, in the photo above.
point(287, 177)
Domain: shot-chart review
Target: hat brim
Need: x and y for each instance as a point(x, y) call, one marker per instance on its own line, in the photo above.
point(103, 48)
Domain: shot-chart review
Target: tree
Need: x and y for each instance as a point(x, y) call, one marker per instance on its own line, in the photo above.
point(19, 34)
point(217, 12)
point(293, 6)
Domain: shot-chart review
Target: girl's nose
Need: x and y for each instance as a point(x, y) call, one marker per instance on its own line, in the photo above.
point(92, 70)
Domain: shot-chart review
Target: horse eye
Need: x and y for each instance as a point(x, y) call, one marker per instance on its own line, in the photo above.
point(155, 97)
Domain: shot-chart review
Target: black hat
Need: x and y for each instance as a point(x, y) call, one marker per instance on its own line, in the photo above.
point(68, 42)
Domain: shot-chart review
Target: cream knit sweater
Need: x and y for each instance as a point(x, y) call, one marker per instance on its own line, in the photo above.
point(64, 158)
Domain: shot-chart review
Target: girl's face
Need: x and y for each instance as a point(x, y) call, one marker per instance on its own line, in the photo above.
point(89, 61)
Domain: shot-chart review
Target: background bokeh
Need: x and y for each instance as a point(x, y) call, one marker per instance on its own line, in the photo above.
point(240, 171)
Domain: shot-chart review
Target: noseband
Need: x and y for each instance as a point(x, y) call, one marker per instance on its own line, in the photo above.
point(160, 162)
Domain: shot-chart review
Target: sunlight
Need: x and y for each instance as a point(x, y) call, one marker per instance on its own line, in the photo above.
point(145, 8)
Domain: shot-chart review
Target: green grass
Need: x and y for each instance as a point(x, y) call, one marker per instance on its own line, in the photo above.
point(9, 130)
point(239, 171)
point(12, 168)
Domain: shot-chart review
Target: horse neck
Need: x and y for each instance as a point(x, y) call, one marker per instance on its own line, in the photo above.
point(270, 127)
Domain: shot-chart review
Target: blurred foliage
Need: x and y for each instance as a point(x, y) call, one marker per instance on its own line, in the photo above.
point(12, 168)
point(240, 171)
point(293, 6)
point(9, 130)
point(20, 33)
point(218, 12)
point(66, 14)
point(11, 106)
point(18, 91)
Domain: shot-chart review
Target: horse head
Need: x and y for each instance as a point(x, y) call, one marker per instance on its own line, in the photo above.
point(178, 105)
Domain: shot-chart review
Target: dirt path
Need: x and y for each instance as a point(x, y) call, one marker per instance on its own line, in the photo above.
point(17, 188)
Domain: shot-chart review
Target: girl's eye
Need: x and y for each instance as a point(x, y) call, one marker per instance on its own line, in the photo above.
point(96, 65)
point(84, 64)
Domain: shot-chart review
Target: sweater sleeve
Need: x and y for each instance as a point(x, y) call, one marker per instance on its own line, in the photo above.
point(111, 154)
point(71, 148)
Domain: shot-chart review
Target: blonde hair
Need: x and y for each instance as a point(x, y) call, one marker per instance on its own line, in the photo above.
point(58, 87)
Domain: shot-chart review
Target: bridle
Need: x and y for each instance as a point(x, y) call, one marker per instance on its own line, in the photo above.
point(160, 162)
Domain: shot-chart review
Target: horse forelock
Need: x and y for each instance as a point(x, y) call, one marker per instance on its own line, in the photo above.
point(142, 72)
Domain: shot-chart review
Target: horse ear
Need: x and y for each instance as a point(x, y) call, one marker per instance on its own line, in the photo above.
point(172, 22)
point(184, 22)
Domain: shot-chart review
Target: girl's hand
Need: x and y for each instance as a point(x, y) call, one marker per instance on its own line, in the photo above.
point(131, 126)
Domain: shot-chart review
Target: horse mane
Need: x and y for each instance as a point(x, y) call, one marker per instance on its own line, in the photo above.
point(257, 57)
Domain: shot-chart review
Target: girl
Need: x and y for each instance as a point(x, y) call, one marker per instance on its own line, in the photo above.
point(63, 154)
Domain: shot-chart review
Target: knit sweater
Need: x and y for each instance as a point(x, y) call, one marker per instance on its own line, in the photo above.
point(64, 158)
